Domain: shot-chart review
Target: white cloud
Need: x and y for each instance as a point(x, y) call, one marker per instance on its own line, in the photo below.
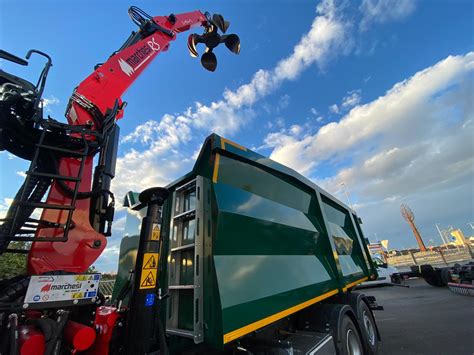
point(334, 108)
point(21, 173)
point(381, 11)
point(398, 117)
point(283, 102)
point(48, 102)
point(352, 99)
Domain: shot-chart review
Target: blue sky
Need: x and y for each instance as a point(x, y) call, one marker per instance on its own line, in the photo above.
point(377, 95)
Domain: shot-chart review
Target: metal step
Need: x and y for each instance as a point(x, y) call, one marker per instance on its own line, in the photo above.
point(180, 332)
point(54, 176)
point(186, 186)
point(181, 287)
point(187, 214)
point(63, 150)
point(183, 247)
point(46, 205)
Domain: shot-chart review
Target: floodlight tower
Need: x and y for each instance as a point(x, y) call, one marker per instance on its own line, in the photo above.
point(407, 213)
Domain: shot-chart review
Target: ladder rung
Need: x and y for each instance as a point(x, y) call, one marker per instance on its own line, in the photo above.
point(54, 176)
point(186, 186)
point(181, 287)
point(17, 238)
point(26, 231)
point(180, 332)
point(46, 205)
point(62, 150)
point(183, 247)
point(185, 214)
point(43, 224)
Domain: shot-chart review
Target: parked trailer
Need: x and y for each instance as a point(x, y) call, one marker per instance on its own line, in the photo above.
point(247, 255)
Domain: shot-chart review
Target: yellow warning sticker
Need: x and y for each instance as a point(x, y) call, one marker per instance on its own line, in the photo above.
point(150, 261)
point(148, 279)
point(149, 270)
point(155, 234)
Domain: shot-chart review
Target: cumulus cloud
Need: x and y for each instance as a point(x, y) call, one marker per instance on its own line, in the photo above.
point(334, 108)
point(398, 117)
point(50, 101)
point(352, 99)
point(381, 11)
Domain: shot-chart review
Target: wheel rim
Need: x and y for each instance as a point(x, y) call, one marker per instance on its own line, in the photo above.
point(369, 328)
point(353, 344)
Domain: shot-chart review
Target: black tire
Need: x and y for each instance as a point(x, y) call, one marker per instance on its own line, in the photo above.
point(446, 275)
point(396, 279)
point(434, 281)
point(368, 330)
point(349, 342)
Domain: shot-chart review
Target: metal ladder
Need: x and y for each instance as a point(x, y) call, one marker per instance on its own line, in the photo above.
point(27, 231)
point(185, 271)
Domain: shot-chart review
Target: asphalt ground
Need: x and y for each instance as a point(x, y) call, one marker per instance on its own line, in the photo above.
point(423, 320)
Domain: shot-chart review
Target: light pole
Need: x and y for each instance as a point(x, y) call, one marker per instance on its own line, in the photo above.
point(441, 234)
point(347, 194)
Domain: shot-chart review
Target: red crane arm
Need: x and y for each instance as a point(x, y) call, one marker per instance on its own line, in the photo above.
point(92, 100)
point(110, 80)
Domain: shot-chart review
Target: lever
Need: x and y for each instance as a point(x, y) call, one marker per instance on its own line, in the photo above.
point(12, 58)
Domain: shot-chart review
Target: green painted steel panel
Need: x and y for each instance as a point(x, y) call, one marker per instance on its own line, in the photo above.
point(262, 183)
point(246, 313)
point(265, 275)
point(233, 200)
point(241, 235)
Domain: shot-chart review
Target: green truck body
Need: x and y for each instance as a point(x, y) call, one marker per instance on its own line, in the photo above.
point(246, 242)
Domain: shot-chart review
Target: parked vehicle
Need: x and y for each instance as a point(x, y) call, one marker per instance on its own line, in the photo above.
point(386, 274)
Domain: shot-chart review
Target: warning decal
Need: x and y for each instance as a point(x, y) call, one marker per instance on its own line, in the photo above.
point(150, 261)
point(148, 279)
point(149, 270)
point(155, 234)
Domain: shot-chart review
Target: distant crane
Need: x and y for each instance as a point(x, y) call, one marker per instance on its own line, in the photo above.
point(407, 213)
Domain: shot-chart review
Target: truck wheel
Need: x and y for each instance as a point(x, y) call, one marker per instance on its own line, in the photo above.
point(368, 329)
point(350, 343)
point(446, 275)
